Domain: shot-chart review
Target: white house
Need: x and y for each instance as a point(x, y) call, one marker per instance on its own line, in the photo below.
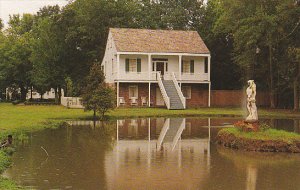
point(158, 68)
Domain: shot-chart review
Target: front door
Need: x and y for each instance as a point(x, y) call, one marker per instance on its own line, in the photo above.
point(160, 66)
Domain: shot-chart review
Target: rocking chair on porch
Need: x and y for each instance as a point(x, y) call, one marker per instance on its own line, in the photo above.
point(144, 101)
point(122, 101)
point(133, 101)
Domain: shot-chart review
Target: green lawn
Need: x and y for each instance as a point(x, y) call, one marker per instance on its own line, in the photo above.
point(269, 134)
point(15, 117)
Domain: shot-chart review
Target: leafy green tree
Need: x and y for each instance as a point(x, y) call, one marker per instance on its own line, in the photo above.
point(15, 51)
point(87, 23)
point(96, 95)
point(258, 30)
point(48, 51)
point(1, 25)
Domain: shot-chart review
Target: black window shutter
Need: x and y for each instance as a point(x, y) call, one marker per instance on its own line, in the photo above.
point(206, 65)
point(192, 66)
point(138, 62)
point(127, 65)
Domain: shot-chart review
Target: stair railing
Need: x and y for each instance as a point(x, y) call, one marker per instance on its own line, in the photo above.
point(163, 133)
point(163, 90)
point(178, 134)
point(179, 92)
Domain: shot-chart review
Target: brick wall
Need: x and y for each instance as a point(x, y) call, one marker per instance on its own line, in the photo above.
point(199, 96)
point(222, 98)
point(143, 91)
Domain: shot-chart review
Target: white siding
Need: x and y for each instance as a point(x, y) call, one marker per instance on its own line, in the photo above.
point(110, 60)
point(110, 66)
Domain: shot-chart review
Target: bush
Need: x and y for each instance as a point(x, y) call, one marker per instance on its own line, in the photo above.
point(15, 102)
point(246, 126)
point(264, 127)
point(4, 161)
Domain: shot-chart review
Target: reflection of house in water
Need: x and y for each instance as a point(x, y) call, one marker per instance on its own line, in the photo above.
point(148, 151)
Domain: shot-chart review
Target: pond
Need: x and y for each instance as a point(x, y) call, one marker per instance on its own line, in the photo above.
point(149, 153)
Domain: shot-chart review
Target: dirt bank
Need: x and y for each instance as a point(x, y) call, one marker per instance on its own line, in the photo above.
point(230, 140)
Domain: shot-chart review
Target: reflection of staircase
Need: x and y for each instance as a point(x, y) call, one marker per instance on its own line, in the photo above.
point(171, 132)
point(175, 101)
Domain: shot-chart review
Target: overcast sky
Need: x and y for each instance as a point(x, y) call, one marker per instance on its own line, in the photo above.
point(10, 7)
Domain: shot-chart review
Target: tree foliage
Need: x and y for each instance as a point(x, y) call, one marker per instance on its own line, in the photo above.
point(96, 95)
point(247, 39)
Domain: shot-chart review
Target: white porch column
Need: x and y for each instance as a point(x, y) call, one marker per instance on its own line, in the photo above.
point(118, 103)
point(149, 94)
point(149, 130)
point(149, 67)
point(208, 145)
point(209, 67)
point(179, 73)
point(118, 65)
point(209, 93)
point(117, 130)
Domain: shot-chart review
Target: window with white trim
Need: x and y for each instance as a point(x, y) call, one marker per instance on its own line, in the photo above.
point(187, 92)
point(133, 91)
point(132, 65)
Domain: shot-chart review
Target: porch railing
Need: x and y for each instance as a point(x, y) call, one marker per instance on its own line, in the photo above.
point(144, 76)
point(194, 76)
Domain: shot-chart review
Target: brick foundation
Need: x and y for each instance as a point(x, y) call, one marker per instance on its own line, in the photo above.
point(199, 96)
point(143, 91)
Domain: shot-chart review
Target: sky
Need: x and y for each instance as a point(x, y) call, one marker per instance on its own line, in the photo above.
point(9, 7)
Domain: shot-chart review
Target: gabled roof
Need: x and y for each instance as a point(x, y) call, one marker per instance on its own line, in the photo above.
point(158, 41)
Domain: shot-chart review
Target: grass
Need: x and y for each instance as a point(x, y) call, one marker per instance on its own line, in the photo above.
point(269, 134)
point(34, 117)
point(5, 162)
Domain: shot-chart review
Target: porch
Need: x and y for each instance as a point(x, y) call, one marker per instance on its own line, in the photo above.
point(145, 94)
point(145, 67)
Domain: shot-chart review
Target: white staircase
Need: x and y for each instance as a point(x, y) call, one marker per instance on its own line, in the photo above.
point(171, 93)
point(171, 132)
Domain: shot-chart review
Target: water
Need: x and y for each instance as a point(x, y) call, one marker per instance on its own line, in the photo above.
point(172, 153)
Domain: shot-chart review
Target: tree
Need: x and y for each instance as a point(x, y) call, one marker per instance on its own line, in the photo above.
point(224, 73)
point(48, 54)
point(264, 26)
point(96, 95)
point(15, 51)
point(1, 25)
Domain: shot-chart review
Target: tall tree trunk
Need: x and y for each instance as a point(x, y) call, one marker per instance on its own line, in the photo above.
point(296, 87)
point(23, 93)
point(296, 126)
point(31, 89)
point(272, 95)
point(59, 94)
point(56, 95)
point(94, 114)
